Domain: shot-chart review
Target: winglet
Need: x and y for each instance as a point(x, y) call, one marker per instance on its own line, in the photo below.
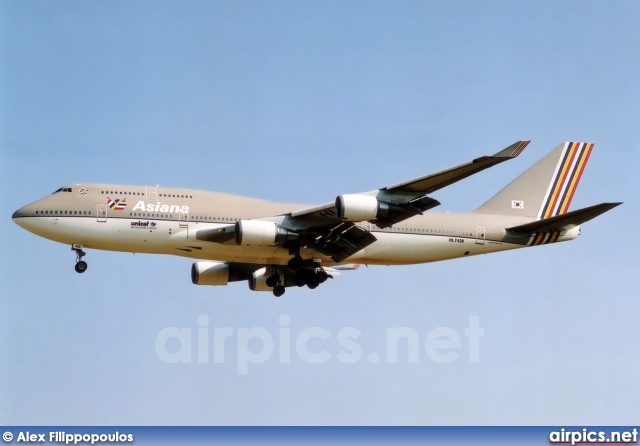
point(513, 150)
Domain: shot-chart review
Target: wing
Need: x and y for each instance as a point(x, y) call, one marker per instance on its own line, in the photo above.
point(338, 229)
point(410, 198)
point(338, 241)
point(438, 180)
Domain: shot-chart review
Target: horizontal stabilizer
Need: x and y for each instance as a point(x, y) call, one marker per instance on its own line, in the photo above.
point(564, 222)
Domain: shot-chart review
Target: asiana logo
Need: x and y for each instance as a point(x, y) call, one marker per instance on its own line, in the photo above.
point(159, 207)
point(117, 204)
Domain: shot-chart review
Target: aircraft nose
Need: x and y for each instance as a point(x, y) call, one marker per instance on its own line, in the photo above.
point(17, 216)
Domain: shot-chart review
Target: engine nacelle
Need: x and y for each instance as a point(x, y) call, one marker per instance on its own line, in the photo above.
point(209, 273)
point(258, 232)
point(355, 207)
point(258, 281)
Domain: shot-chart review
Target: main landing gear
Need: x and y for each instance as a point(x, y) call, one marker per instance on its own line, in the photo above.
point(275, 282)
point(298, 272)
point(81, 265)
point(310, 274)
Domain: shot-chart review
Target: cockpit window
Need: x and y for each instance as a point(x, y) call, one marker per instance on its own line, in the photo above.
point(63, 189)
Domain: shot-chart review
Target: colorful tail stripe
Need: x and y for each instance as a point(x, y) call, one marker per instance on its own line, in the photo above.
point(544, 238)
point(565, 179)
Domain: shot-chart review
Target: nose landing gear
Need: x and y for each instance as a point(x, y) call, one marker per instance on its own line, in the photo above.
point(81, 265)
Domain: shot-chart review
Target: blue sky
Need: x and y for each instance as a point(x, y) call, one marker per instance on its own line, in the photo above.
point(299, 102)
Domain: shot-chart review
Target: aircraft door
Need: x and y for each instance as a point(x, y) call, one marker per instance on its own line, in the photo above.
point(183, 219)
point(152, 194)
point(102, 213)
point(480, 235)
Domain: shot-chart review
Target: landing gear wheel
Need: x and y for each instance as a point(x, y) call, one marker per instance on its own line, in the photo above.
point(81, 266)
point(313, 282)
point(300, 277)
point(278, 290)
point(272, 281)
point(322, 276)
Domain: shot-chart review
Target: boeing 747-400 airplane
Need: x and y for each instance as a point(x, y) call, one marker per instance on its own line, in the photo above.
point(277, 245)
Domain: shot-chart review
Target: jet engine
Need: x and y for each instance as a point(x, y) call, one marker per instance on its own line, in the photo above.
point(258, 281)
point(355, 207)
point(209, 273)
point(258, 232)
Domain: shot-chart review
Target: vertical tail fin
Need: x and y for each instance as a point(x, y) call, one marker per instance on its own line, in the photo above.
point(546, 188)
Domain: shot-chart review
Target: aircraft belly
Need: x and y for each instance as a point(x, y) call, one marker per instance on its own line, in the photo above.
point(272, 255)
point(398, 249)
point(115, 234)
